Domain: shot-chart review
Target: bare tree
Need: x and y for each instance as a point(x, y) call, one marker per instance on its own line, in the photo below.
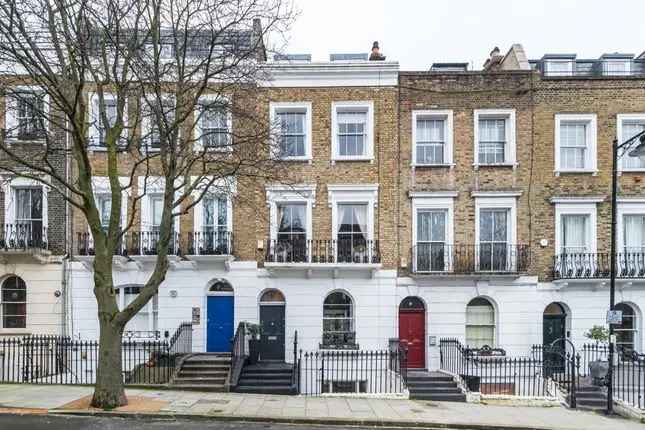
point(138, 79)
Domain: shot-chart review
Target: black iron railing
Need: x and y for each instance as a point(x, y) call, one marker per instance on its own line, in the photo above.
point(22, 236)
point(376, 372)
point(629, 377)
point(295, 366)
point(489, 371)
point(210, 243)
point(468, 259)
point(323, 251)
point(597, 265)
point(239, 354)
point(66, 361)
point(132, 243)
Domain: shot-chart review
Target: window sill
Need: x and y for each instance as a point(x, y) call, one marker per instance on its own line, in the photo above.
point(478, 166)
point(15, 331)
point(592, 172)
point(438, 165)
point(352, 159)
point(632, 170)
point(295, 159)
point(19, 141)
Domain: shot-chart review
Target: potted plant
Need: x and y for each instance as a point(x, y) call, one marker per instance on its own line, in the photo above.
point(254, 333)
point(598, 368)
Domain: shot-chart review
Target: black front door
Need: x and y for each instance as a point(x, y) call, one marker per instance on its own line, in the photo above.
point(554, 328)
point(272, 339)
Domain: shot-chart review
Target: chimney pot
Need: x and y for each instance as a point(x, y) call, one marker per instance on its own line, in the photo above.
point(376, 54)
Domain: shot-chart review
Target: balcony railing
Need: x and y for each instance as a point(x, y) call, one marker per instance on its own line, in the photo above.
point(22, 236)
point(138, 243)
point(210, 243)
point(468, 259)
point(323, 251)
point(597, 265)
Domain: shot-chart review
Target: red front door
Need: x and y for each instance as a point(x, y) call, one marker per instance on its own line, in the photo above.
point(412, 333)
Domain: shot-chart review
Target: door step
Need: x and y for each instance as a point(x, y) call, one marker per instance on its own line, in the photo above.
point(433, 386)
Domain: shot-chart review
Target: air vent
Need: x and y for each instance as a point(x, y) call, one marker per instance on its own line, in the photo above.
point(348, 57)
point(292, 57)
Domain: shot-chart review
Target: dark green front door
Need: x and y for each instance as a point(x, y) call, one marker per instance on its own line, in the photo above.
point(554, 329)
point(272, 338)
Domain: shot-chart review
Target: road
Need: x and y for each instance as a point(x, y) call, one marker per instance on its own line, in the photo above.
point(55, 422)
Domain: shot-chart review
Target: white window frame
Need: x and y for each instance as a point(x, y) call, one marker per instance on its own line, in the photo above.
point(101, 187)
point(277, 107)
point(11, 111)
point(364, 194)
point(283, 194)
point(223, 187)
point(9, 189)
point(95, 118)
point(587, 208)
point(154, 187)
point(440, 202)
point(148, 309)
point(198, 118)
point(507, 201)
point(620, 119)
point(627, 206)
point(146, 121)
point(368, 106)
point(447, 117)
point(591, 159)
point(507, 115)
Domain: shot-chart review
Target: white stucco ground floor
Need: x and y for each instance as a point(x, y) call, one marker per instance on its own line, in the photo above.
point(346, 307)
point(32, 299)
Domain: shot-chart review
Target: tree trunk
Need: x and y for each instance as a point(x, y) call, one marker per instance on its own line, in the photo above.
point(108, 390)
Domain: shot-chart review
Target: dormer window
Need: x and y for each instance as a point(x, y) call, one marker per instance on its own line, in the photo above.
point(558, 67)
point(618, 67)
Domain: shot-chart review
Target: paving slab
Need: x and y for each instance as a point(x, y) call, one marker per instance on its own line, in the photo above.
point(343, 411)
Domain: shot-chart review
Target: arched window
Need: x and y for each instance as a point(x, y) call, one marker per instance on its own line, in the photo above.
point(480, 323)
point(626, 332)
point(14, 303)
point(338, 322)
point(144, 322)
point(411, 303)
point(274, 296)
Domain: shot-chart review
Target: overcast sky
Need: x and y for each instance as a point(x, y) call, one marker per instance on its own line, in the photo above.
point(419, 32)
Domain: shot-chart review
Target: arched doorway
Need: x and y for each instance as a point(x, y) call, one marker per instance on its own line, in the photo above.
point(412, 331)
point(554, 324)
point(220, 316)
point(272, 321)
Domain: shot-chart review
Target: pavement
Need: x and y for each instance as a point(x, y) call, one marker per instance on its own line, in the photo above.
point(342, 411)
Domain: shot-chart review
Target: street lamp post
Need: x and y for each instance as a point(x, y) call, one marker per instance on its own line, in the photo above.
point(638, 151)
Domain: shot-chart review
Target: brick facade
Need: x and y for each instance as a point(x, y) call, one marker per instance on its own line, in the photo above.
point(536, 101)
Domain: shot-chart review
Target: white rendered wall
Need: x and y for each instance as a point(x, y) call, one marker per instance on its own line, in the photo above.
point(44, 309)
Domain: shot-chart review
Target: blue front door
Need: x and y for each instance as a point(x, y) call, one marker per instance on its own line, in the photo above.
point(219, 324)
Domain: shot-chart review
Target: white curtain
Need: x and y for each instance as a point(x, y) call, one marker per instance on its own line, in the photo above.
point(360, 214)
point(480, 325)
point(634, 233)
point(574, 233)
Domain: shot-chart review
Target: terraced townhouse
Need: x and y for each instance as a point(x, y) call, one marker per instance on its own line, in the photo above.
point(33, 269)
point(440, 203)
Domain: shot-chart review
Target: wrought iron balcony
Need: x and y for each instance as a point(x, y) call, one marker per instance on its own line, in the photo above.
point(23, 236)
point(210, 243)
point(132, 243)
point(441, 258)
point(597, 265)
point(323, 251)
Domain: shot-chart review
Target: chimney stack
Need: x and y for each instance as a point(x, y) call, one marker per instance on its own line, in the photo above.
point(376, 54)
